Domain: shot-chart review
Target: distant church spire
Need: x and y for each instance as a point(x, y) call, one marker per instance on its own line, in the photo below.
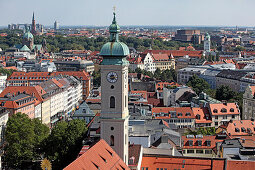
point(33, 29)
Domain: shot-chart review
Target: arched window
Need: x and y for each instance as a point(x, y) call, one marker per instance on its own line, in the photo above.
point(112, 102)
point(112, 140)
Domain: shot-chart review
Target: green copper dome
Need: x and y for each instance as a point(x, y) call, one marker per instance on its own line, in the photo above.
point(114, 48)
point(207, 36)
point(28, 35)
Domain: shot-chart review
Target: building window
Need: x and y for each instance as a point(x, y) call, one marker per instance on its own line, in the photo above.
point(233, 116)
point(208, 151)
point(125, 101)
point(190, 151)
point(112, 140)
point(216, 123)
point(199, 151)
point(112, 102)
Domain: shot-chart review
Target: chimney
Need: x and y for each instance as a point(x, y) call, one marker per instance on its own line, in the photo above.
point(252, 119)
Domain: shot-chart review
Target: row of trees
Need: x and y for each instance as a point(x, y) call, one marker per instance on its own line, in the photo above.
point(60, 42)
point(7, 72)
point(165, 75)
point(28, 141)
point(201, 131)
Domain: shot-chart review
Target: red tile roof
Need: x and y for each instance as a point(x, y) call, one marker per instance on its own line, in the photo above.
point(176, 53)
point(247, 165)
point(234, 128)
point(99, 156)
point(203, 140)
point(223, 109)
point(33, 91)
point(181, 162)
point(203, 113)
point(159, 57)
point(181, 112)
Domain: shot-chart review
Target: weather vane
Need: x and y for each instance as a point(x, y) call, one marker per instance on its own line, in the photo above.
point(114, 8)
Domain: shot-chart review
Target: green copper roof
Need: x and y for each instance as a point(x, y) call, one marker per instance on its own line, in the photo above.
point(114, 27)
point(24, 48)
point(38, 46)
point(114, 48)
point(28, 35)
point(115, 61)
point(207, 36)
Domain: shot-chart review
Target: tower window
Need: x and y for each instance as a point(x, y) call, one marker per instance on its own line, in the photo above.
point(112, 102)
point(112, 141)
point(112, 86)
point(125, 101)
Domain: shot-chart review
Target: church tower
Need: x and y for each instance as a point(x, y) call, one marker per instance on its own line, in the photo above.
point(114, 93)
point(33, 29)
point(207, 43)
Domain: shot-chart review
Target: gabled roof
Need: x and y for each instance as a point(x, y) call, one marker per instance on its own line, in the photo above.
point(159, 57)
point(100, 156)
point(33, 91)
point(223, 109)
point(24, 48)
point(203, 114)
point(241, 127)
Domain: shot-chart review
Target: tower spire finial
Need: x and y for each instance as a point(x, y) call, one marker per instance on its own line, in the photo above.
point(114, 15)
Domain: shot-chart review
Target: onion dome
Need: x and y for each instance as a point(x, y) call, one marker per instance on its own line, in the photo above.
point(114, 48)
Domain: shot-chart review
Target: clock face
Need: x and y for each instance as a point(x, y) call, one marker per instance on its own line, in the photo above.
point(112, 77)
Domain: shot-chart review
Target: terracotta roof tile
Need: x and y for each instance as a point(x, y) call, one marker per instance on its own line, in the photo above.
point(99, 156)
point(223, 109)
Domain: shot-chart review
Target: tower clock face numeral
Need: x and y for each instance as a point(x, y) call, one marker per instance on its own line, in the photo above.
point(112, 77)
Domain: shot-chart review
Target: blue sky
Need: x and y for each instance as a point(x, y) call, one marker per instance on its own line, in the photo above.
point(130, 12)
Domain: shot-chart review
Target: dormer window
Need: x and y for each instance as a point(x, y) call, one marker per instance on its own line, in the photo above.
point(199, 143)
point(232, 110)
point(249, 130)
point(179, 114)
point(187, 114)
point(198, 117)
point(190, 142)
point(243, 129)
point(237, 130)
point(223, 110)
point(215, 111)
point(208, 143)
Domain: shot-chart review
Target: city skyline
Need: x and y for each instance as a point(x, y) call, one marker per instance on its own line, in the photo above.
point(170, 13)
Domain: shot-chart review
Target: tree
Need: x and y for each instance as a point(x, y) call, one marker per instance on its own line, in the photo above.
point(64, 143)
point(224, 93)
point(157, 73)
point(23, 138)
point(198, 84)
point(96, 78)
